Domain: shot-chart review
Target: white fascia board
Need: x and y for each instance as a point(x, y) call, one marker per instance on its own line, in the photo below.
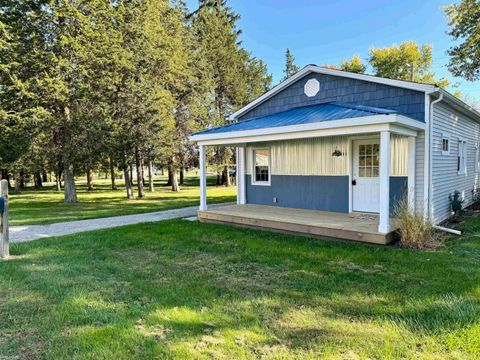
point(358, 125)
point(460, 105)
point(321, 70)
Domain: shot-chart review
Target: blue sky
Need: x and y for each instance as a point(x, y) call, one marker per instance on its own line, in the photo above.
point(325, 32)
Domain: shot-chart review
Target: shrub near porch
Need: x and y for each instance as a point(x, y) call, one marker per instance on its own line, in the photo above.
point(177, 289)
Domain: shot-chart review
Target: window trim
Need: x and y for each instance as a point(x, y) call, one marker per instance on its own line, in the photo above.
point(445, 136)
point(462, 170)
point(477, 159)
point(261, 183)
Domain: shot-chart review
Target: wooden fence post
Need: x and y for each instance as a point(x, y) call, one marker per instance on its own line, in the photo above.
point(4, 243)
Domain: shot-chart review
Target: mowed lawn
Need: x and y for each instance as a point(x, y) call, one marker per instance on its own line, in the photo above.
point(46, 206)
point(180, 289)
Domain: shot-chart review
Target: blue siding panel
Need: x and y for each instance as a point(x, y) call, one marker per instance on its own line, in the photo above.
point(398, 190)
point(326, 193)
point(336, 88)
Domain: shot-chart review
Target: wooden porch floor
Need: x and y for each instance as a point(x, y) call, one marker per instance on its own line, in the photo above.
point(356, 226)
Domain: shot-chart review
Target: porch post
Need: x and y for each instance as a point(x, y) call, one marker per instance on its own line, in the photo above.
point(411, 172)
point(203, 179)
point(384, 223)
point(241, 199)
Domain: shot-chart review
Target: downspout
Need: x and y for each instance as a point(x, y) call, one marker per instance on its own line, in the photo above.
point(430, 156)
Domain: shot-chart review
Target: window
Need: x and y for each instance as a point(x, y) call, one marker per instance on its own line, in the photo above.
point(369, 160)
point(462, 157)
point(445, 144)
point(261, 170)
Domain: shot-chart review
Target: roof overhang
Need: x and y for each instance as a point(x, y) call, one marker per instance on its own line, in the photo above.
point(396, 123)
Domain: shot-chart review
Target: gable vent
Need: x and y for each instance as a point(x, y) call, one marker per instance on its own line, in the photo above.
point(311, 88)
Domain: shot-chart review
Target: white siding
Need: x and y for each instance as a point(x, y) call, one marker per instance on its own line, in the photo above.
point(314, 156)
point(419, 172)
point(445, 177)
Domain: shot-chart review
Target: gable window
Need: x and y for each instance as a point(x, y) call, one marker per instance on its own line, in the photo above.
point(445, 144)
point(261, 167)
point(462, 157)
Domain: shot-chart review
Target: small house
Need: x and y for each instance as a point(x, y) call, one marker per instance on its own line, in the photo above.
point(331, 153)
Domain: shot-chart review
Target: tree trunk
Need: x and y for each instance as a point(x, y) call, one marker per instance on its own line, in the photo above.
point(139, 167)
point(151, 188)
point(226, 176)
point(182, 176)
point(131, 175)
point(128, 183)
point(44, 176)
point(70, 191)
point(18, 180)
point(219, 179)
point(37, 180)
point(174, 180)
point(89, 179)
point(22, 179)
point(112, 174)
point(170, 177)
point(58, 181)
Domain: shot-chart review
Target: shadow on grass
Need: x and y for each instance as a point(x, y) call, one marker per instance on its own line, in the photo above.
point(178, 287)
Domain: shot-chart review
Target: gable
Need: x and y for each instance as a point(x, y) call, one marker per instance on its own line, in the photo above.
point(342, 89)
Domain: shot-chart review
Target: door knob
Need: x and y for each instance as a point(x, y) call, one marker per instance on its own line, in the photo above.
point(354, 182)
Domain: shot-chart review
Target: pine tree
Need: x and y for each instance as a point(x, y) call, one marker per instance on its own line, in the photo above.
point(290, 67)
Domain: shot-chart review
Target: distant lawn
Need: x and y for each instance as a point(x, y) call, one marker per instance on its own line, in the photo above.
point(178, 289)
point(46, 206)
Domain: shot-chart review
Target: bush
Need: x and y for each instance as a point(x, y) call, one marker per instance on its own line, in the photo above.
point(456, 203)
point(415, 231)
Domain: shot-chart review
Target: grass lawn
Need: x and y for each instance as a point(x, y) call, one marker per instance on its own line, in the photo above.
point(46, 206)
point(177, 289)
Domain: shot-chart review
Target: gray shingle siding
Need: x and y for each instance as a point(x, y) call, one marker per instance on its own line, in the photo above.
point(334, 88)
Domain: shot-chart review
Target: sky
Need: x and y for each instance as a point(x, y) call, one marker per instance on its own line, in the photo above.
point(326, 32)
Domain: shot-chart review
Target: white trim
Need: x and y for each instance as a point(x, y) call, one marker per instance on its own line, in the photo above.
point(240, 172)
point(350, 174)
point(320, 70)
point(355, 125)
point(463, 163)
point(203, 178)
point(384, 218)
point(252, 177)
point(445, 136)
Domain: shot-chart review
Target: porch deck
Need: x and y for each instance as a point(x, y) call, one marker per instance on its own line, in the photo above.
point(356, 226)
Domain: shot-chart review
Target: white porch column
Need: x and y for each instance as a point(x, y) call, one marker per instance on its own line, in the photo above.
point(203, 179)
point(241, 198)
point(384, 223)
point(411, 172)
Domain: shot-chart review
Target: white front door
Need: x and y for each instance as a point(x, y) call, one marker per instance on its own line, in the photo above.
point(365, 175)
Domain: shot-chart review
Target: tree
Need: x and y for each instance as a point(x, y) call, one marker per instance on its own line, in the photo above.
point(290, 67)
point(407, 61)
point(355, 65)
point(464, 20)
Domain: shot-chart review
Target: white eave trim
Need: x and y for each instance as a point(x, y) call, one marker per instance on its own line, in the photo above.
point(358, 125)
point(321, 70)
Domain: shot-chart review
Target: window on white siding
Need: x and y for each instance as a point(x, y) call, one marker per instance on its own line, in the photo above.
point(445, 144)
point(462, 157)
point(261, 167)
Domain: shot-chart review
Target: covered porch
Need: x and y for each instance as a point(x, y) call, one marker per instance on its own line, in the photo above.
point(365, 145)
point(353, 226)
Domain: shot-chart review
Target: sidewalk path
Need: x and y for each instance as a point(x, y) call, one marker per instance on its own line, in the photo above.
point(33, 232)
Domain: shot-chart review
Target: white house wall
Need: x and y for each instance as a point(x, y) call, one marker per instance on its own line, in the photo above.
point(445, 177)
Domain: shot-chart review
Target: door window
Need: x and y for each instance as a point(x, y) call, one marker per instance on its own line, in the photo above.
point(369, 160)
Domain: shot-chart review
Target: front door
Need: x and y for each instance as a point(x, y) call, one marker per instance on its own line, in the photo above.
point(365, 176)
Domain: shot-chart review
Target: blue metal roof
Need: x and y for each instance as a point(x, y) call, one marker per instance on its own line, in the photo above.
point(301, 115)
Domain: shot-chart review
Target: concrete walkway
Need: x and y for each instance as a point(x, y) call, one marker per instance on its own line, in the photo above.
point(33, 232)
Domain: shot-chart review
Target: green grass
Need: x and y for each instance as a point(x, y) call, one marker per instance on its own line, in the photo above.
point(178, 289)
point(46, 206)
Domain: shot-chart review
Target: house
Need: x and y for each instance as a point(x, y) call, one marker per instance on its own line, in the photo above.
point(330, 153)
